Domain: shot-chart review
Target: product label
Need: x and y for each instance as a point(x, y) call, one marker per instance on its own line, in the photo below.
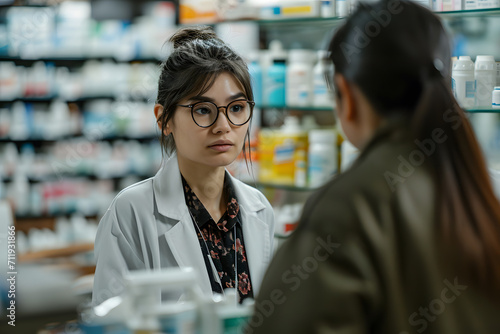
point(470, 4)
point(470, 89)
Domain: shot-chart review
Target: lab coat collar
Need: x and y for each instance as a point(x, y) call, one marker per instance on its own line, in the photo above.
point(167, 185)
point(170, 202)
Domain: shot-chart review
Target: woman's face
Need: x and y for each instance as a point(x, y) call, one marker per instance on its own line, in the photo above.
point(219, 144)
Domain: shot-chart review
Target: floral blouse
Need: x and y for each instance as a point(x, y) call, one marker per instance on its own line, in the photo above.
point(218, 240)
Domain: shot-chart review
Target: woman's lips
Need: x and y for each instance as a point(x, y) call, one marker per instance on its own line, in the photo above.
point(221, 147)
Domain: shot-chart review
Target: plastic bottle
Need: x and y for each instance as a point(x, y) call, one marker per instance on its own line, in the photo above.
point(495, 101)
point(288, 142)
point(498, 70)
point(59, 118)
point(274, 94)
point(21, 193)
point(299, 78)
point(485, 74)
point(349, 154)
point(256, 77)
point(143, 289)
point(232, 316)
point(19, 126)
point(463, 81)
point(470, 4)
point(322, 156)
point(327, 8)
point(321, 96)
point(342, 8)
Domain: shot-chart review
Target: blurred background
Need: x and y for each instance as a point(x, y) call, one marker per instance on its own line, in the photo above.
point(78, 84)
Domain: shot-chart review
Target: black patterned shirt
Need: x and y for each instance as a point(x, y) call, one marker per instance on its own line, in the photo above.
point(218, 240)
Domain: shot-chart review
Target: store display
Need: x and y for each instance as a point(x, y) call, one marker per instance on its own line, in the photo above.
point(322, 159)
point(299, 77)
point(321, 96)
point(342, 7)
point(463, 81)
point(485, 75)
point(498, 73)
point(76, 120)
point(274, 78)
point(328, 8)
point(256, 78)
point(496, 97)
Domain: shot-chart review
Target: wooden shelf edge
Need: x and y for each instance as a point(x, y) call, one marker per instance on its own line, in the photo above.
point(56, 252)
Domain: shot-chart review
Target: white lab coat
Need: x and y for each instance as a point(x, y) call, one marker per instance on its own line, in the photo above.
point(148, 226)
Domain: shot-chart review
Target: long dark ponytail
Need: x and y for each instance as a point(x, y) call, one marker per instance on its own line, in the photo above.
point(398, 54)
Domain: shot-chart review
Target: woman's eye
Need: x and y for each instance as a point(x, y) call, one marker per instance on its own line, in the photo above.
point(202, 111)
point(236, 108)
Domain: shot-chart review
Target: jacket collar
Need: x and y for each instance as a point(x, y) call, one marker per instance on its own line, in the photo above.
point(167, 187)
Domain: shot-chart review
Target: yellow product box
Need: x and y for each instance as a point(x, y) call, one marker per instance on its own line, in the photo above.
point(198, 11)
point(287, 9)
point(266, 154)
point(286, 148)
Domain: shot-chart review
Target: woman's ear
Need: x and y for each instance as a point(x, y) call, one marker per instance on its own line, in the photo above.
point(346, 101)
point(158, 110)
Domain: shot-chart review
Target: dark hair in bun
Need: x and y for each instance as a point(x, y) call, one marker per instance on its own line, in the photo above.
point(197, 59)
point(187, 35)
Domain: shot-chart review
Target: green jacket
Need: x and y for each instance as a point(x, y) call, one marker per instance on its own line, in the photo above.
point(365, 257)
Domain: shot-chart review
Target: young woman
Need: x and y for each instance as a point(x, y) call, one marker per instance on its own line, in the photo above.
point(193, 213)
point(408, 239)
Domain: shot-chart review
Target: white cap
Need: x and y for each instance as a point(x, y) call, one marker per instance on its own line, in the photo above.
point(322, 136)
point(276, 50)
point(301, 56)
point(463, 63)
point(485, 62)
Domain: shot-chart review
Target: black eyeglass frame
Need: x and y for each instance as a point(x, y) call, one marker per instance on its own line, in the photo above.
point(251, 103)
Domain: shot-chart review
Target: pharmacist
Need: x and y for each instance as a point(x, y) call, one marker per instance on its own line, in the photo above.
point(193, 213)
point(408, 239)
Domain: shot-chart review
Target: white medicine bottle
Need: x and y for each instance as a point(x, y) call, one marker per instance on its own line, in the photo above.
point(299, 77)
point(321, 96)
point(485, 74)
point(463, 81)
point(322, 158)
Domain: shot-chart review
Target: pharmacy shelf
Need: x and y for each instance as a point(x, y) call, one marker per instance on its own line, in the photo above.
point(81, 99)
point(483, 110)
point(470, 13)
point(296, 108)
point(56, 252)
point(89, 176)
point(76, 61)
point(25, 223)
point(40, 141)
point(286, 187)
point(336, 19)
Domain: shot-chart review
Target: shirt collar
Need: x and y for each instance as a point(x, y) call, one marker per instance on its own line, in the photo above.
point(200, 213)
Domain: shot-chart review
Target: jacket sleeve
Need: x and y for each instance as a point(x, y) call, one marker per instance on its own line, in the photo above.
point(115, 256)
point(321, 280)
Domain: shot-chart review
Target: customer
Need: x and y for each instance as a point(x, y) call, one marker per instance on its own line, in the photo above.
point(193, 213)
point(408, 239)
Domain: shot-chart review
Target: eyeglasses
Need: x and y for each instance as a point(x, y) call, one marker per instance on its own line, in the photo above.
point(206, 113)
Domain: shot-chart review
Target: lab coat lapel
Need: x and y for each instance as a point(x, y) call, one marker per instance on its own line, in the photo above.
point(257, 246)
point(255, 232)
point(181, 237)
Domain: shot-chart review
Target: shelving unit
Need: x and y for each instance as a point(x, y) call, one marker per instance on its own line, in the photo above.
point(56, 252)
point(317, 34)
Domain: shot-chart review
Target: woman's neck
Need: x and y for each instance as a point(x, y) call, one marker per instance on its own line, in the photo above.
point(208, 185)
